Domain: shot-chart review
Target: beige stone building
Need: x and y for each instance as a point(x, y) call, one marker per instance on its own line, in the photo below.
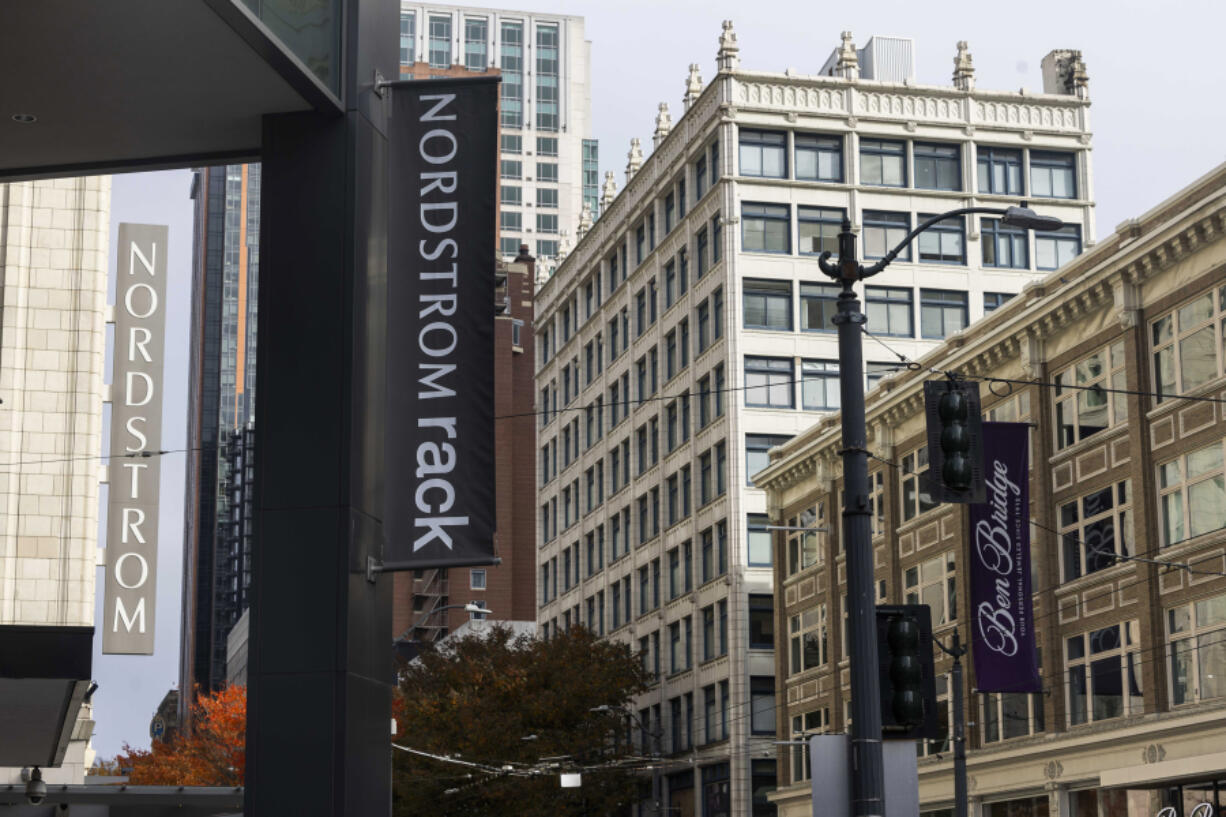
point(53, 284)
point(1132, 717)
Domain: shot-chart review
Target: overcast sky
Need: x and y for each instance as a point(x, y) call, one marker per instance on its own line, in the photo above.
point(1157, 121)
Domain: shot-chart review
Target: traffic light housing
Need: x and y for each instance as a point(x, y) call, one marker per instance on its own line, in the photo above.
point(955, 442)
point(908, 685)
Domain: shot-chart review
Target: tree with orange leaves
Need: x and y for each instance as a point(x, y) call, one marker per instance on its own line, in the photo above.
point(213, 754)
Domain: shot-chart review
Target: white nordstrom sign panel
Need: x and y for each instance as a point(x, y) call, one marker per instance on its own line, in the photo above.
point(136, 437)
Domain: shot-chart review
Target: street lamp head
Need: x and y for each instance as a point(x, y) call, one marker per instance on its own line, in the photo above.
point(476, 609)
point(1028, 219)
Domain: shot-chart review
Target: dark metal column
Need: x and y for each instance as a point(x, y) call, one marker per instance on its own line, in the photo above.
point(319, 696)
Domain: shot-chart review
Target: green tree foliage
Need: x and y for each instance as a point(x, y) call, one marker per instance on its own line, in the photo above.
point(478, 698)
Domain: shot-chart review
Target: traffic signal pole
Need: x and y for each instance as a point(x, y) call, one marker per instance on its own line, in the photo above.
point(957, 651)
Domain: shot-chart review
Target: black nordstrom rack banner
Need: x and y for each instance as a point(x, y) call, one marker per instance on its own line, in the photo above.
point(439, 446)
point(1003, 642)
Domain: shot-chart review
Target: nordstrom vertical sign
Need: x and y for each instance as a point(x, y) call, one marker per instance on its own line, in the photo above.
point(129, 598)
point(439, 486)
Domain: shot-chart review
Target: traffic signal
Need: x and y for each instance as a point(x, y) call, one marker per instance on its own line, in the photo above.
point(908, 686)
point(955, 442)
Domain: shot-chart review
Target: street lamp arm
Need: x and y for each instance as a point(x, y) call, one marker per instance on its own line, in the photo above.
point(868, 272)
point(471, 608)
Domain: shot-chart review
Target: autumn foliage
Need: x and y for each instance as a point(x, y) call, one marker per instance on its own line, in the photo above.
point(524, 703)
point(213, 754)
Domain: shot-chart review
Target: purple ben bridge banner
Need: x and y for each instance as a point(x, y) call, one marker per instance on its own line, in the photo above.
point(1002, 623)
point(439, 443)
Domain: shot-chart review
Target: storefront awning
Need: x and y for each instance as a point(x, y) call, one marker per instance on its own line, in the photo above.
point(44, 677)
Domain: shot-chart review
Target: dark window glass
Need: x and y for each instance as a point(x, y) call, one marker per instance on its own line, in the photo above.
point(883, 163)
point(819, 158)
point(1000, 171)
point(768, 305)
point(942, 312)
point(765, 227)
point(763, 153)
point(1004, 245)
point(937, 167)
point(889, 312)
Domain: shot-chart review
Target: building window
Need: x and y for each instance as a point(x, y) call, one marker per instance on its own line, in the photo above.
point(819, 303)
point(512, 143)
point(476, 579)
point(762, 705)
point(1053, 250)
point(942, 312)
point(1000, 171)
point(511, 194)
point(932, 583)
point(1197, 633)
point(761, 623)
point(547, 197)
point(943, 242)
point(546, 249)
point(1189, 344)
point(1083, 408)
point(995, 300)
point(440, 42)
point(512, 65)
point(1011, 715)
point(1004, 245)
point(1104, 674)
point(509, 245)
point(547, 172)
point(768, 305)
point(804, 549)
point(915, 498)
point(408, 34)
point(883, 163)
point(1096, 529)
point(670, 211)
point(547, 146)
point(1192, 494)
point(882, 232)
point(763, 153)
point(756, 448)
point(1053, 175)
point(819, 158)
point(808, 639)
point(937, 167)
point(476, 33)
point(759, 545)
point(546, 222)
point(889, 311)
point(511, 220)
point(768, 382)
point(700, 242)
point(765, 228)
point(810, 723)
point(818, 229)
point(819, 387)
point(547, 76)
point(716, 234)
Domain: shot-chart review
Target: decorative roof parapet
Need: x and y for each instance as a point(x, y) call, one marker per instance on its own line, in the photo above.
point(585, 220)
point(848, 66)
point(728, 58)
point(608, 192)
point(664, 125)
point(634, 158)
point(964, 68)
point(693, 86)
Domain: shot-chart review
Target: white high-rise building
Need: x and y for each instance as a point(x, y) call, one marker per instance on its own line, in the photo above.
point(548, 159)
point(689, 331)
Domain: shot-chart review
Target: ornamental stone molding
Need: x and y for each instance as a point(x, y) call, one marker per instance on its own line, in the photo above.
point(1053, 770)
point(1153, 753)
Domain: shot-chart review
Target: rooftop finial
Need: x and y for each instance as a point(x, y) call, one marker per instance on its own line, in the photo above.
point(664, 125)
point(634, 158)
point(608, 192)
point(728, 57)
point(693, 86)
point(964, 68)
point(848, 66)
point(585, 219)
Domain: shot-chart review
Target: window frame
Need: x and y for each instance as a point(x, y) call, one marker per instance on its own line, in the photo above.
point(751, 141)
point(770, 367)
point(942, 301)
point(769, 214)
point(1168, 338)
point(937, 153)
point(879, 150)
point(770, 291)
point(820, 145)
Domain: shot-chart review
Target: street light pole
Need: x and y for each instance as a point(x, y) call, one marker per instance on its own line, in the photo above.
point(867, 768)
point(957, 651)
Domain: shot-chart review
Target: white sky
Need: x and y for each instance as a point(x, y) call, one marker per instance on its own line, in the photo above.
point(1156, 84)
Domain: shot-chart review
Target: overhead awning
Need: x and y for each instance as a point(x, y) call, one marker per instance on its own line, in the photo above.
point(44, 677)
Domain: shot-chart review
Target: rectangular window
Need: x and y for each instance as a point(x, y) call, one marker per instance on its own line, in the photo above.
point(762, 705)
point(1103, 668)
point(476, 579)
point(511, 169)
point(765, 227)
point(709, 646)
point(512, 65)
point(670, 211)
point(808, 639)
point(819, 303)
point(476, 47)
point(995, 300)
point(932, 582)
point(819, 385)
point(546, 222)
point(768, 382)
point(942, 312)
point(547, 197)
point(704, 401)
point(764, 154)
point(408, 34)
point(1083, 408)
point(512, 143)
point(889, 311)
point(768, 305)
point(700, 177)
point(510, 194)
point(700, 241)
point(817, 229)
point(938, 167)
point(510, 220)
point(704, 478)
point(883, 163)
point(508, 245)
point(719, 390)
point(721, 471)
point(759, 542)
point(757, 447)
point(716, 233)
point(1189, 344)
point(1095, 528)
point(944, 242)
point(1192, 494)
point(547, 76)
point(819, 158)
point(440, 42)
point(1004, 245)
point(882, 232)
point(547, 172)
point(1197, 634)
point(915, 498)
point(1053, 250)
point(547, 146)
point(1011, 715)
point(804, 548)
point(670, 283)
point(1000, 171)
point(1053, 175)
